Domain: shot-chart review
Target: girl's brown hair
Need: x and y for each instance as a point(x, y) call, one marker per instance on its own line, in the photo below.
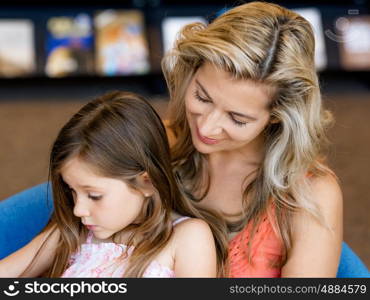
point(120, 136)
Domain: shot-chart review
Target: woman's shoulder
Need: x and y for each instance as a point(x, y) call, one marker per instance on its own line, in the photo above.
point(324, 193)
point(325, 190)
point(323, 238)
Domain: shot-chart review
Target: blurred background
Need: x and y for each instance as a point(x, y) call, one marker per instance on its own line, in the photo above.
point(53, 59)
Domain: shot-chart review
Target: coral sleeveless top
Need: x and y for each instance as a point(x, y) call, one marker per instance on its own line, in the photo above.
point(266, 251)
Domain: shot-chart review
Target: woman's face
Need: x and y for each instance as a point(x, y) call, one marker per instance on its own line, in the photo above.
point(225, 114)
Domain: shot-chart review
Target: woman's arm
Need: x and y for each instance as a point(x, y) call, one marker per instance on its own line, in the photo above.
point(315, 249)
point(18, 262)
point(195, 251)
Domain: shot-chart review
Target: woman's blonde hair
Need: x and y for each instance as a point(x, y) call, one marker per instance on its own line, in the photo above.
point(264, 43)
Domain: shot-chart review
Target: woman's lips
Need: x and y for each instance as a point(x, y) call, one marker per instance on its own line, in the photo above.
point(206, 140)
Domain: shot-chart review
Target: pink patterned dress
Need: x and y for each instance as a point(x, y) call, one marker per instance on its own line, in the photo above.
point(99, 260)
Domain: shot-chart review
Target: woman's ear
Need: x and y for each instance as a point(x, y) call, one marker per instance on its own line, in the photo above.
point(145, 184)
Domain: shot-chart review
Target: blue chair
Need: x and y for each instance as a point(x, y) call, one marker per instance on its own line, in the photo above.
point(25, 214)
point(350, 265)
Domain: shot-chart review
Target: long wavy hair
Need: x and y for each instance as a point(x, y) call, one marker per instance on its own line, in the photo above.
point(264, 43)
point(120, 136)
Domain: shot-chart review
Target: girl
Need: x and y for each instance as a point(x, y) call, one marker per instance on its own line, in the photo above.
point(117, 205)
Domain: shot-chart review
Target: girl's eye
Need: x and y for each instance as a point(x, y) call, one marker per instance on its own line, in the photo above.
point(95, 197)
point(201, 99)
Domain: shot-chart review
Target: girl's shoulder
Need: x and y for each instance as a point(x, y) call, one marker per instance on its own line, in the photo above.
point(194, 249)
point(191, 232)
point(189, 236)
point(188, 231)
point(185, 227)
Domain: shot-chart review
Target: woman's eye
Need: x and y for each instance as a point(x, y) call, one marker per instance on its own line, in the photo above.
point(238, 123)
point(201, 99)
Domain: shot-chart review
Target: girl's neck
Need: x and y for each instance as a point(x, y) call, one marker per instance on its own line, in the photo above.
point(121, 238)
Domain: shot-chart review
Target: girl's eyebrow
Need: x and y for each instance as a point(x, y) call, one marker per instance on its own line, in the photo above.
point(231, 112)
point(83, 186)
point(90, 187)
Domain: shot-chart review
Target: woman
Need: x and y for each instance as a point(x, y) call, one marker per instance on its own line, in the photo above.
point(246, 112)
point(249, 133)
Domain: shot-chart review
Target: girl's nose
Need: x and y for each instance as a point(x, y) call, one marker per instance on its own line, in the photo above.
point(80, 209)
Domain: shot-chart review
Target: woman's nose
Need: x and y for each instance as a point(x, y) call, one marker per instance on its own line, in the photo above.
point(211, 126)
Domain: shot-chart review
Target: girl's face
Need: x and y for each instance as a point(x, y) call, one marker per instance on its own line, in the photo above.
point(105, 205)
point(225, 114)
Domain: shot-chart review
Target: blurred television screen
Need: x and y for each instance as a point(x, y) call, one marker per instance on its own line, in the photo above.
point(121, 45)
point(313, 15)
point(17, 48)
point(69, 46)
point(354, 42)
point(171, 27)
